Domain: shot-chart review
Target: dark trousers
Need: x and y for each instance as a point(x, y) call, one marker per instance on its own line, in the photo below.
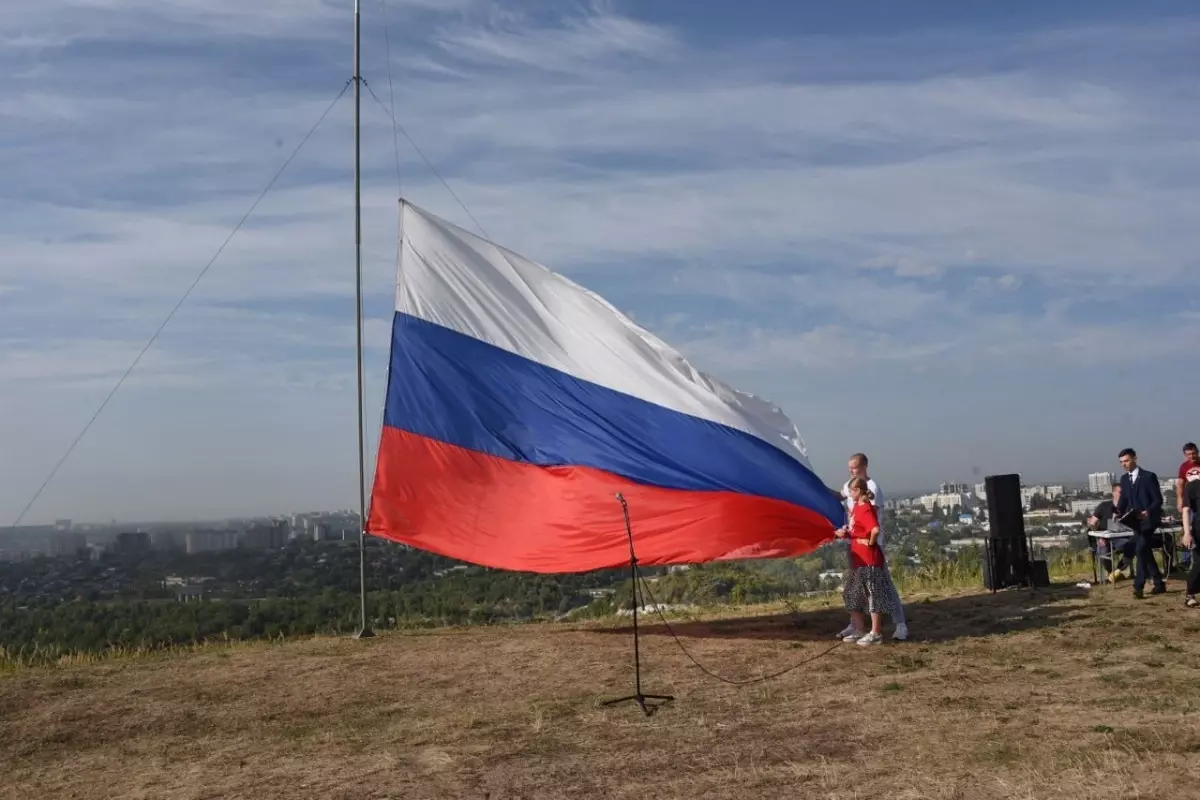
point(1127, 549)
point(1193, 580)
point(1146, 565)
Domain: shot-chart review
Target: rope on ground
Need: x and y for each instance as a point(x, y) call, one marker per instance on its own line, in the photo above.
point(182, 300)
point(709, 672)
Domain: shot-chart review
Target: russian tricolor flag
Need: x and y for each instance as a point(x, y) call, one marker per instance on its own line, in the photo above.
point(519, 404)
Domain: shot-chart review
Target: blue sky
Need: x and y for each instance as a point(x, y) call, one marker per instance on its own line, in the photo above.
point(959, 236)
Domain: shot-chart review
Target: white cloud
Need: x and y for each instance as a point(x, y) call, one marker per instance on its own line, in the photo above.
point(1004, 283)
point(904, 265)
point(826, 348)
point(58, 23)
point(759, 182)
point(747, 291)
point(853, 181)
point(579, 44)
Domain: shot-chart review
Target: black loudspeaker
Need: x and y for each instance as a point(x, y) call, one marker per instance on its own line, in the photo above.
point(1005, 512)
point(1006, 563)
point(989, 566)
point(1006, 555)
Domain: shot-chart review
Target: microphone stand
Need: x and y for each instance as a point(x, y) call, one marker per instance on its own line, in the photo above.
point(637, 696)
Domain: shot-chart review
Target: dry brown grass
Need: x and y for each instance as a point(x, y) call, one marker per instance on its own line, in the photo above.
point(1057, 694)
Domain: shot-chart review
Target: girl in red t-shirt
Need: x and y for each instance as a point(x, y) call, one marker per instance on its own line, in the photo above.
point(868, 586)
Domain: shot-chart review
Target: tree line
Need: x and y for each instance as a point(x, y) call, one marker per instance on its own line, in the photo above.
point(123, 600)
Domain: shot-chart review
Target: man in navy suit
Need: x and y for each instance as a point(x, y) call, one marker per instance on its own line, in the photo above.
point(1140, 507)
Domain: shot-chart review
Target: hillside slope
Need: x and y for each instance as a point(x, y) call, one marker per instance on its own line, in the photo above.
point(1059, 693)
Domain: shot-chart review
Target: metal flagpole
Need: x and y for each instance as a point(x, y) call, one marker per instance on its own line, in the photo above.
point(364, 631)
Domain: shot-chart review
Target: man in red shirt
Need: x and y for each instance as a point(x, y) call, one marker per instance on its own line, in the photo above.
point(1189, 471)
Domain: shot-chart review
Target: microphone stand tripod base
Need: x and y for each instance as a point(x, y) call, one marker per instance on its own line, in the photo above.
point(662, 699)
point(647, 708)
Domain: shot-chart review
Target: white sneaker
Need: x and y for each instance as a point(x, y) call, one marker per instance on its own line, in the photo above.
point(901, 632)
point(847, 631)
point(852, 636)
point(869, 639)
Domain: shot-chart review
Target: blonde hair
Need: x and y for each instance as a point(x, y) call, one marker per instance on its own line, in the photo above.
point(862, 485)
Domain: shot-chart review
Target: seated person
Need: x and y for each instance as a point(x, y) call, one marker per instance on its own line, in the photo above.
point(1103, 519)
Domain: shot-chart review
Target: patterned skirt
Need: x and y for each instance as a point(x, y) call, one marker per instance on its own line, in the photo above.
point(869, 590)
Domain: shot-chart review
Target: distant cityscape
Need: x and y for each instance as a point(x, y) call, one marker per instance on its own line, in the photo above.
point(1056, 508)
point(1071, 499)
point(71, 587)
point(65, 538)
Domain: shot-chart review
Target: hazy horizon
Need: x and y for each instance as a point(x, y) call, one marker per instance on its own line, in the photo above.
point(214, 517)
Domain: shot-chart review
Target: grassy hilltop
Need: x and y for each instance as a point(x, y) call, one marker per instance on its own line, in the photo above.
point(1060, 693)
